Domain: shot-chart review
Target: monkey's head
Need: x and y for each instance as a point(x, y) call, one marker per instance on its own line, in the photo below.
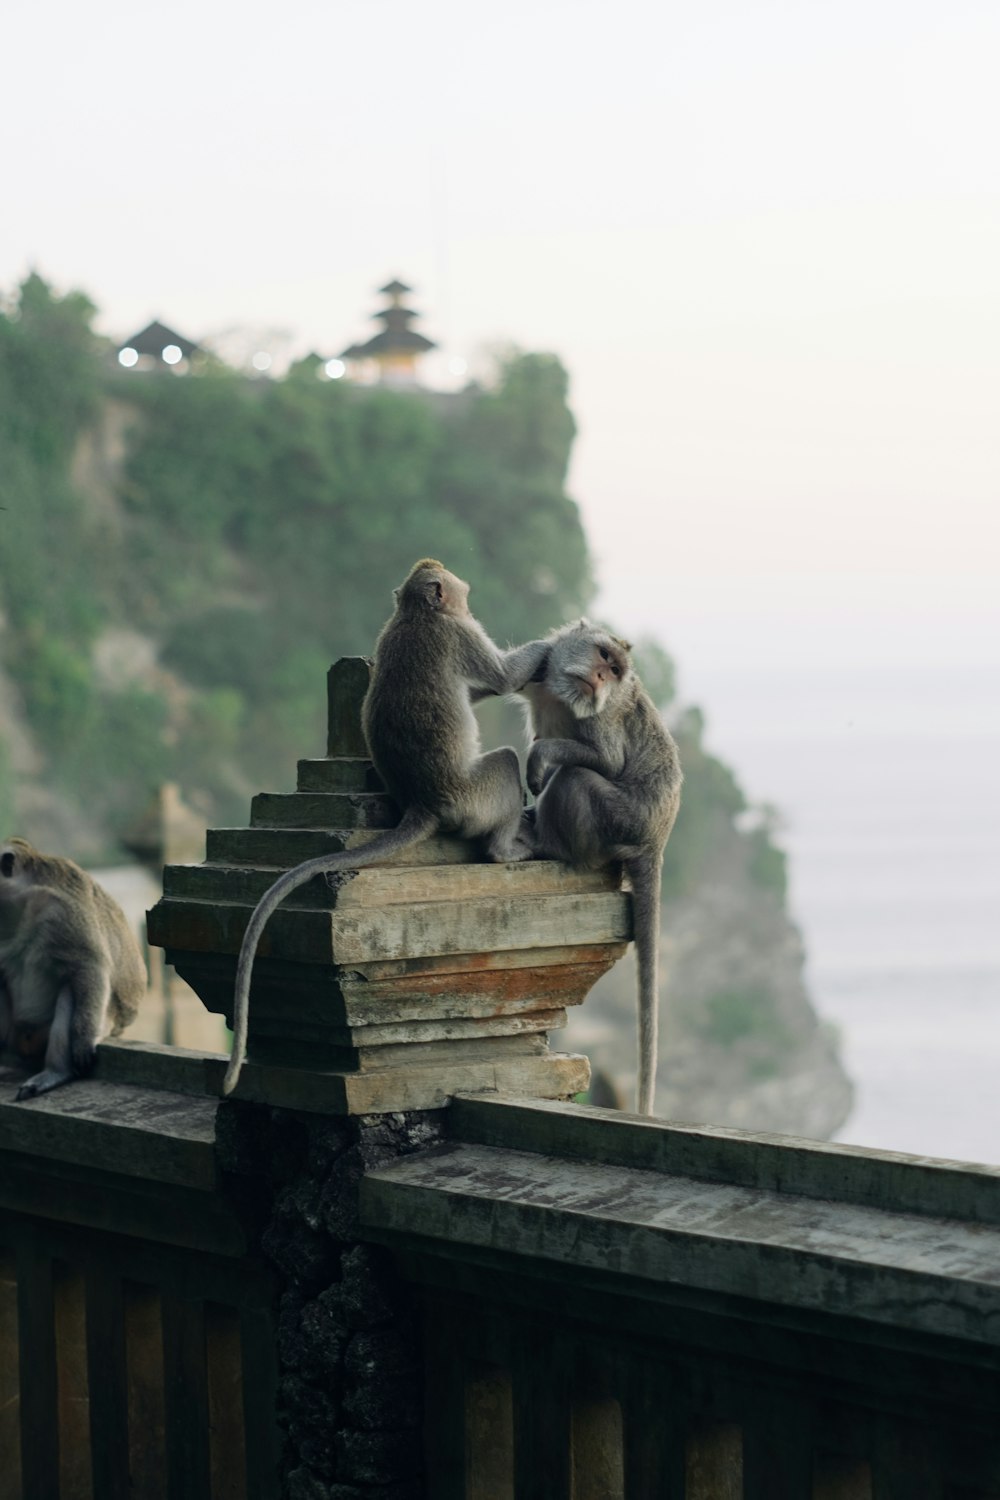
point(430, 587)
point(588, 668)
point(18, 863)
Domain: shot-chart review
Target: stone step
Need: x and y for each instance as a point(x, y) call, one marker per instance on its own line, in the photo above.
point(377, 934)
point(275, 1049)
point(407, 991)
point(339, 773)
point(378, 1046)
point(329, 810)
point(385, 886)
point(281, 848)
point(552, 1075)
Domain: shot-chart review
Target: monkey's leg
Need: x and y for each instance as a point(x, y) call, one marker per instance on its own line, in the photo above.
point(580, 818)
point(493, 806)
point(58, 1066)
point(91, 998)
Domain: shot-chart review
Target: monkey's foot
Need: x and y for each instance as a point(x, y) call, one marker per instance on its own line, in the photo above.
point(42, 1083)
point(511, 851)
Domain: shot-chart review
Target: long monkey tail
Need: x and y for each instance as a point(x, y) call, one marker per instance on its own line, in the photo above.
point(644, 874)
point(415, 824)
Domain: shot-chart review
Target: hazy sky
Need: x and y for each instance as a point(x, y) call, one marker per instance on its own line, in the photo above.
point(764, 238)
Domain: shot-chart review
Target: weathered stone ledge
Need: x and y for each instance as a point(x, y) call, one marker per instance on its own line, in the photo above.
point(774, 1163)
point(663, 1232)
point(314, 1090)
point(117, 1127)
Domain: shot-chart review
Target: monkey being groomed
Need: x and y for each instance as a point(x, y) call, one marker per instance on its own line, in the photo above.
point(70, 967)
point(607, 777)
point(433, 660)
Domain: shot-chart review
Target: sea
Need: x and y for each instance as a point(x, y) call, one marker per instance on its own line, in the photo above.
point(888, 787)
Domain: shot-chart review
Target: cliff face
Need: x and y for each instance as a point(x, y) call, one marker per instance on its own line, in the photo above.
point(740, 1043)
point(181, 559)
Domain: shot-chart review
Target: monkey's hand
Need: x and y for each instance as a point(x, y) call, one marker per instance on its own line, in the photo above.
point(547, 756)
point(538, 675)
point(539, 768)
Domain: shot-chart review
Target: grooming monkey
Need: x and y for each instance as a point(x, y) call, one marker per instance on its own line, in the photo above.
point(608, 781)
point(70, 968)
point(433, 660)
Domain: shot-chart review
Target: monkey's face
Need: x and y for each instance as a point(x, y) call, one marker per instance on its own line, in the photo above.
point(587, 668)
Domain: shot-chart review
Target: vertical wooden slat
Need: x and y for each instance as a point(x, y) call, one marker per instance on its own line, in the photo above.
point(714, 1464)
point(444, 1406)
point(185, 1388)
point(258, 1339)
point(653, 1420)
point(489, 1434)
point(838, 1478)
point(10, 1386)
point(778, 1443)
point(39, 1385)
point(144, 1374)
point(541, 1377)
point(598, 1466)
point(75, 1477)
point(905, 1462)
point(108, 1385)
point(227, 1457)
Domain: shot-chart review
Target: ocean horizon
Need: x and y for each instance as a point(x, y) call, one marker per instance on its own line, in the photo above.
point(888, 787)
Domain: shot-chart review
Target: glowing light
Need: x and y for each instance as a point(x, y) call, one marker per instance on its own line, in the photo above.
point(172, 355)
point(335, 368)
point(128, 357)
point(261, 360)
point(457, 366)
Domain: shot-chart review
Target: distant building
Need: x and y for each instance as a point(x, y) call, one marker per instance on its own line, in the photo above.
point(157, 345)
point(393, 353)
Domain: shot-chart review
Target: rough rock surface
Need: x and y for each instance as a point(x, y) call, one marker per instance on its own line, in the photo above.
point(349, 1388)
point(740, 1042)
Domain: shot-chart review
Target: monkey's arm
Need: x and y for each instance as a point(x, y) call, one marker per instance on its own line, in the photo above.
point(492, 673)
point(546, 755)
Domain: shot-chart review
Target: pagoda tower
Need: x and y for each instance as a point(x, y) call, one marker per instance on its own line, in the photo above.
point(396, 349)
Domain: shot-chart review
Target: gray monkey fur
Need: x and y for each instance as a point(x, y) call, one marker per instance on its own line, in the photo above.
point(608, 780)
point(70, 967)
point(433, 660)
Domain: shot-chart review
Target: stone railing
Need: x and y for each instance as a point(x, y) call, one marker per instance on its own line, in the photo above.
point(188, 1307)
point(376, 1274)
point(619, 1309)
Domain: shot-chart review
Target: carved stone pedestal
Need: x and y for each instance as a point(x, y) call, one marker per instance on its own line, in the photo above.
point(390, 988)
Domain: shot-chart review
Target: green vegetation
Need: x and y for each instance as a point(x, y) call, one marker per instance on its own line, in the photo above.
point(252, 534)
point(748, 1019)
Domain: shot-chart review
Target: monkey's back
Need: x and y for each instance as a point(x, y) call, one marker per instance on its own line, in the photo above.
point(128, 970)
point(653, 764)
point(85, 926)
point(642, 760)
point(417, 718)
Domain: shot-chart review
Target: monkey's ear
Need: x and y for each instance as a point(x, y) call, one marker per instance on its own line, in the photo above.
point(434, 593)
point(625, 645)
point(7, 863)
